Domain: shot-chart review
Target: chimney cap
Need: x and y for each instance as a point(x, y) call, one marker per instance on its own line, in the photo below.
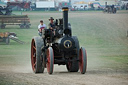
point(65, 8)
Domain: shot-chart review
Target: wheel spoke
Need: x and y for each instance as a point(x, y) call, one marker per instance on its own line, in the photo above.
point(34, 64)
point(34, 47)
point(34, 55)
point(48, 60)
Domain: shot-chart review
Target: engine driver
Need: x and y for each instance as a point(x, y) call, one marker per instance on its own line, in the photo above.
point(52, 25)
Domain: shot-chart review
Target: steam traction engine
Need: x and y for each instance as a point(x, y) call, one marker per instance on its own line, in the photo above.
point(58, 46)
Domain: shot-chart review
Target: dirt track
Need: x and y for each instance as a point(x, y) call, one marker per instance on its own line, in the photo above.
point(100, 71)
point(96, 74)
point(62, 77)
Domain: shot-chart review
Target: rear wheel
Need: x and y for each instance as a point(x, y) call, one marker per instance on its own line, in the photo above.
point(36, 58)
point(50, 60)
point(73, 66)
point(83, 60)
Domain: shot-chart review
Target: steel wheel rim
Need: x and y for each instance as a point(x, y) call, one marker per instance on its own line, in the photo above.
point(69, 65)
point(33, 55)
point(50, 60)
point(83, 62)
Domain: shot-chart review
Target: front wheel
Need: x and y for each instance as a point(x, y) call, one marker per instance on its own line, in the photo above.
point(50, 60)
point(83, 60)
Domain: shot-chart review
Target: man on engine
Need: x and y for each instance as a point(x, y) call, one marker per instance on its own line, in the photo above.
point(52, 25)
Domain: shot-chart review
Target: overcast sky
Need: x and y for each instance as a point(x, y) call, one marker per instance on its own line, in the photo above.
point(74, 0)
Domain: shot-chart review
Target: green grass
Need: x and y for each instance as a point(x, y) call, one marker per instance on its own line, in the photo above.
point(103, 35)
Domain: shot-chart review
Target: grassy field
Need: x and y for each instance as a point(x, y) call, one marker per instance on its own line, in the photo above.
point(103, 36)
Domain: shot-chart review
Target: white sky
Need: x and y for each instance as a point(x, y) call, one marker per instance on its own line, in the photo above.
point(76, 0)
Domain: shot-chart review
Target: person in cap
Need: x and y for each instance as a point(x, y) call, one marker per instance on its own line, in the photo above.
point(51, 24)
point(41, 27)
